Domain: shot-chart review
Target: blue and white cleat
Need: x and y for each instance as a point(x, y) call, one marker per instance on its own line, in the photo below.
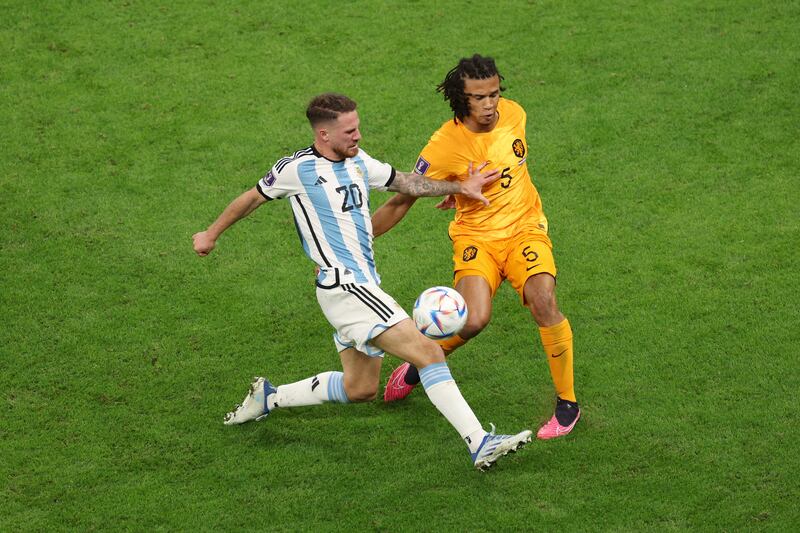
point(254, 405)
point(494, 447)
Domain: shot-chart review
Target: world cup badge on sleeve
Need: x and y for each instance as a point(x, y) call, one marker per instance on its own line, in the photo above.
point(422, 166)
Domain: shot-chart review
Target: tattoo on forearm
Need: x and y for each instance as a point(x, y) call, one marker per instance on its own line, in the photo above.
point(416, 185)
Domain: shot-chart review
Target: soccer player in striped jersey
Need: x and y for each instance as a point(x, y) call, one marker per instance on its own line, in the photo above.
point(506, 239)
point(327, 185)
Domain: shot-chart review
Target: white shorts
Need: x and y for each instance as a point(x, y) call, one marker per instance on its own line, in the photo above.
point(359, 312)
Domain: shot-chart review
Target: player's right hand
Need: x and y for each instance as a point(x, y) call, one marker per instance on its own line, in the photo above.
point(203, 243)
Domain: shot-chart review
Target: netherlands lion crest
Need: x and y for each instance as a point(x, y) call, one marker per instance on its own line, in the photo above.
point(470, 253)
point(519, 148)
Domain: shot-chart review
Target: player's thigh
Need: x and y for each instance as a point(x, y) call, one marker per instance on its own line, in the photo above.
point(406, 342)
point(362, 374)
point(359, 312)
point(529, 255)
point(540, 297)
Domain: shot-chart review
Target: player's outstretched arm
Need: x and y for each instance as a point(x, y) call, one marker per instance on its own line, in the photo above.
point(243, 205)
point(389, 214)
point(415, 185)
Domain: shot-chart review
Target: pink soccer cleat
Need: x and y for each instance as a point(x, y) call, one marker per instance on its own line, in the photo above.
point(567, 413)
point(397, 388)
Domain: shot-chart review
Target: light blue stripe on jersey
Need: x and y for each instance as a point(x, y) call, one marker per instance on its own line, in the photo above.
point(433, 374)
point(364, 235)
point(360, 162)
point(336, 388)
point(360, 222)
point(307, 172)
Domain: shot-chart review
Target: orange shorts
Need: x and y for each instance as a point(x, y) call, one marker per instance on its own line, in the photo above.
point(515, 259)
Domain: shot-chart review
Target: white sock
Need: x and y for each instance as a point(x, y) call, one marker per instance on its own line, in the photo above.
point(445, 396)
point(324, 387)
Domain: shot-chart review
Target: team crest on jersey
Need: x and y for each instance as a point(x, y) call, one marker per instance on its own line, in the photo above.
point(470, 253)
point(422, 166)
point(519, 148)
point(359, 172)
point(269, 179)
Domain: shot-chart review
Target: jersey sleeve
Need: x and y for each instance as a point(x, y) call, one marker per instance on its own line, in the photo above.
point(379, 174)
point(279, 182)
point(434, 160)
point(519, 114)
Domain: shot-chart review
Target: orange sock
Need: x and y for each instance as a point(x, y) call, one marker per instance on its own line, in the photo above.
point(450, 344)
point(557, 343)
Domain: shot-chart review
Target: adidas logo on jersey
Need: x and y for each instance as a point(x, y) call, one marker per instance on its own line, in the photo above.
point(321, 180)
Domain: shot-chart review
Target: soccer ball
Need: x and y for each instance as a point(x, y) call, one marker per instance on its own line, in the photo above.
point(440, 312)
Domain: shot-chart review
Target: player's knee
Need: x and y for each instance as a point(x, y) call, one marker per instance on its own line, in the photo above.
point(363, 396)
point(544, 308)
point(476, 322)
point(361, 392)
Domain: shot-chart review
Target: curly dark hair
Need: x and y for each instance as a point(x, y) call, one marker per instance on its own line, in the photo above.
point(328, 106)
point(476, 67)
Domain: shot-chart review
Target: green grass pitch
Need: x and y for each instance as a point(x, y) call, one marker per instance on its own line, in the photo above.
point(665, 142)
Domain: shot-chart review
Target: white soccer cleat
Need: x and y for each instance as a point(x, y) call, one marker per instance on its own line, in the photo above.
point(254, 405)
point(494, 447)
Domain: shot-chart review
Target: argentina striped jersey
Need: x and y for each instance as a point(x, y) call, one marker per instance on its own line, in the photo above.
point(330, 203)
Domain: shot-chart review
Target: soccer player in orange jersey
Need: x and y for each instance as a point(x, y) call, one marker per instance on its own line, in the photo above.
point(506, 240)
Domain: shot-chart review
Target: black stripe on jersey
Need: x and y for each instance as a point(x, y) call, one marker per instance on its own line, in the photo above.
point(377, 301)
point(379, 310)
point(258, 186)
point(391, 178)
point(310, 230)
point(279, 166)
point(285, 161)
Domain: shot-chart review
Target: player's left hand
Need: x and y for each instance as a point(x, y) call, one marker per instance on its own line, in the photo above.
point(476, 180)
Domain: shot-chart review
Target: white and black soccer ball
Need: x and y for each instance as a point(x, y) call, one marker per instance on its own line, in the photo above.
point(440, 312)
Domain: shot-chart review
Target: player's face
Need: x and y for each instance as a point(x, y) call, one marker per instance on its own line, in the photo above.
point(482, 98)
point(343, 135)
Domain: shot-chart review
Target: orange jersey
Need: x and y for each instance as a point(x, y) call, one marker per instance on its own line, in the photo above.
point(515, 203)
